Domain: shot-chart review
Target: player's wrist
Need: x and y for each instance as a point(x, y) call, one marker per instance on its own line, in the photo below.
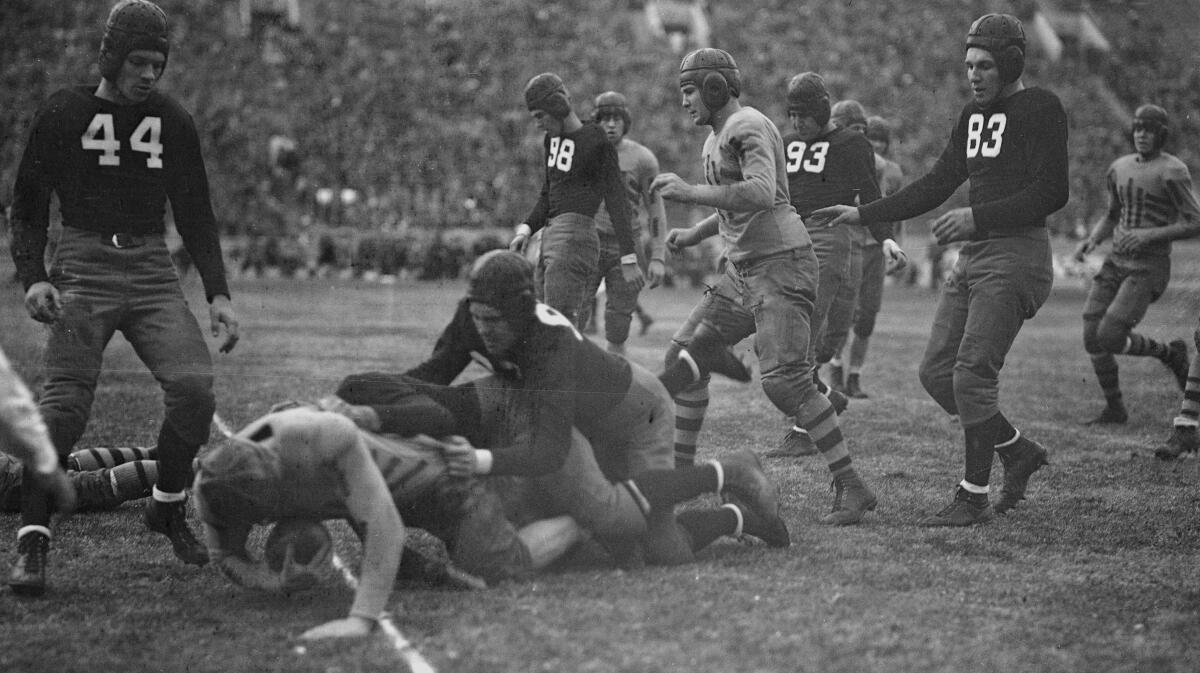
point(630, 258)
point(523, 229)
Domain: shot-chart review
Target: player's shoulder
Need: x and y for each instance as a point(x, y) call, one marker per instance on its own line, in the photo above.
point(748, 120)
point(1173, 164)
point(850, 139)
point(66, 101)
point(1038, 102)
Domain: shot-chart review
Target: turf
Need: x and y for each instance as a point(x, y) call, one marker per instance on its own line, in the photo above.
point(1094, 572)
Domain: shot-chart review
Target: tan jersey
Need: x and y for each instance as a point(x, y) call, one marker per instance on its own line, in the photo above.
point(749, 149)
point(638, 168)
point(1150, 193)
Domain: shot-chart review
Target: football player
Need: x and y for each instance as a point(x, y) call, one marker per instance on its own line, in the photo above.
point(1184, 437)
point(589, 428)
point(25, 444)
point(827, 164)
point(649, 220)
point(116, 478)
point(769, 283)
point(115, 154)
point(1010, 142)
point(582, 169)
point(1150, 204)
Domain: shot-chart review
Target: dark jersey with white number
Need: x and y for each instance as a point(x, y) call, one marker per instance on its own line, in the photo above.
point(571, 382)
point(1013, 151)
point(837, 168)
point(114, 167)
point(582, 169)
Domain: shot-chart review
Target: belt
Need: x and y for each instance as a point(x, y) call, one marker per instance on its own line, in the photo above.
point(123, 240)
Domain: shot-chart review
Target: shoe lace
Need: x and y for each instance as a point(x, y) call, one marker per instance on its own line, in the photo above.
point(838, 490)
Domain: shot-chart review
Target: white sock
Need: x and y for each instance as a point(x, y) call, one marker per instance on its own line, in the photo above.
point(162, 496)
point(46, 531)
point(720, 474)
point(736, 510)
point(691, 363)
point(973, 488)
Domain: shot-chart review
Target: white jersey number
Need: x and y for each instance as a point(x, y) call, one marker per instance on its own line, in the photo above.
point(809, 157)
point(984, 138)
point(145, 138)
point(562, 153)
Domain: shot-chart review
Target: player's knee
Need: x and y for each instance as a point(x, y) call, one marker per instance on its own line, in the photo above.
point(192, 391)
point(1111, 337)
point(864, 327)
point(673, 351)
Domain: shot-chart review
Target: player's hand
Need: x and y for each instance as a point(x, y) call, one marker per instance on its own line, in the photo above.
point(894, 254)
point(832, 216)
point(61, 489)
point(459, 456)
point(220, 312)
point(671, 186)
point(954, 225)
point(678, 239)
point(631, 273)
point(520, 239)
point(1129, 241)
point(43, 302)
point(347, 627)
point(656, 271)
point(363, 416)
point(1085, 247)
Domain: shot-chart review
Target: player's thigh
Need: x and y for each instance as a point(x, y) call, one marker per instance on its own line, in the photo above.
point(469, 517)
point(1142, 287)
point(782, 292)
point(166, 336)
point(641, 427)
point(870, 290)
point(1105, 285)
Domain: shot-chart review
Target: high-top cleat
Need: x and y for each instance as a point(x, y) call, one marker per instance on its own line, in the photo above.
point(854, 387)
point(967, 509)
point(170, 519)
point(1020, 462)
point(851, 500)
point(28, 574)
point(94, 490)
point(766, 526)
point(1113, 414)
point(745, 479)
point(796, 443)
point(1183, 439)
point(1177, 361)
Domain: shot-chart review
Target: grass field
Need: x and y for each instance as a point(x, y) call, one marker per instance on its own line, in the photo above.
point(1095, 572)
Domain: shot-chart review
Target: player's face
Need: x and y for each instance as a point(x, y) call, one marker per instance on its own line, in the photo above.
point(139, 74)
point(699, 112)
point(859, 128)
point(546, 122)
point(614, 128)
point(983, 74)
point(881, 146)
point(499, 333)
point(806, 127)
point(1145, 138)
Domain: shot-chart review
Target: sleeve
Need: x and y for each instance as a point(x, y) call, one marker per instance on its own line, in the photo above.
point(1183, 196)
point(543, 447)
point(541, 210)
point(1048, 187)
point(757, 160)
point(868, 185)
point(30, 215)
point(23, 433)
point(452, 352)
point(615, 200)
point(191, 206)
point(656, 212)
point(926, 192)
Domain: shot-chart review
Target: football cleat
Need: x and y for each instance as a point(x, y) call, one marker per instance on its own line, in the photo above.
point(1183, 439)
point(733, 365)
point(745, 479)
point(1113, 414)
point(851, 501)
point(1177, 361)
point(1020, 462)
point(796, 443)
point(766, 526)
point(966, 509)
point(28, 574)
point(170, 519)
point(854, 388)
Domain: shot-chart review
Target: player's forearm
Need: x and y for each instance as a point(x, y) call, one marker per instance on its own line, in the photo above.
point(202, 242)
point(29, 239)
point(381, 560)
point(740, 197)
point(22, 431)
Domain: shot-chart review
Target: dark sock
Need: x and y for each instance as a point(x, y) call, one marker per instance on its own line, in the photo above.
point(664, 488)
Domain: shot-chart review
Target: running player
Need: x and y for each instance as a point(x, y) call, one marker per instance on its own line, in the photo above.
point(648, 219)
point(826, 164)
point(115, 154)
point(769, 264)
point(1011, 143)
point(1150, 204)
point(582, 169)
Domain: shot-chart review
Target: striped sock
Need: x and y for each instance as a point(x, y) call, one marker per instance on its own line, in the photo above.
point(1189, 411)
point(1143, 345)
point(1108, 376)
point(690, 407)
point(816, 416)
point(134, 480)
point(100, 457)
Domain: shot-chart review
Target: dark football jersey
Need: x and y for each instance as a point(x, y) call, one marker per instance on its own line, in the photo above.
point(1013, 151)
point(837, 168)
point(113, 168)
point(582, 170)
point(572, 381)
point(1152, 193)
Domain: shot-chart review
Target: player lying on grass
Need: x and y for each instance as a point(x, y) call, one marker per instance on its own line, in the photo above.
point(101, 478)
point(552, 390)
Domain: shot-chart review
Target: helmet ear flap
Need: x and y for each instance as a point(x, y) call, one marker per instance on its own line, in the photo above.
point(558, 106)
point(714, 91)
point(1012, 63)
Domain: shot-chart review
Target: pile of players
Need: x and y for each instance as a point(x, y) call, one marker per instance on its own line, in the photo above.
point(566, 440)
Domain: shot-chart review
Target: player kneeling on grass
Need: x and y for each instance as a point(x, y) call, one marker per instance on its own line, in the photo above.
point(590, 429)
point(306, 463)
